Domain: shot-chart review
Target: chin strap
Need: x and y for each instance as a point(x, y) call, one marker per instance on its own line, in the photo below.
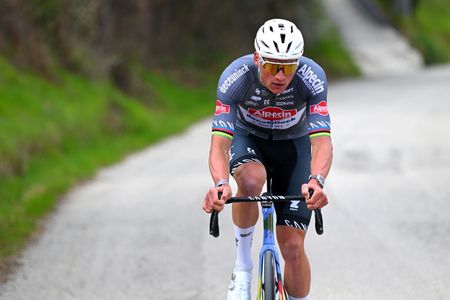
point(259, 72)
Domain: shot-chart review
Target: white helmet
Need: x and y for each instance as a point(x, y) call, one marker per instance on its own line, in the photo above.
point(279, 39)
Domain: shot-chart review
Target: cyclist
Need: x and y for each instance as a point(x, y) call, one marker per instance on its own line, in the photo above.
point(271, 113)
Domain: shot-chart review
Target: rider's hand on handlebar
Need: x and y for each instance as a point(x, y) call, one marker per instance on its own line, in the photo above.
point(318, 200)
point(212, 202)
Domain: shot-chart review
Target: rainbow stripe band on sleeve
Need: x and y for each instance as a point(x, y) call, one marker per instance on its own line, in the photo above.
point(224, 133)
point(320, 133)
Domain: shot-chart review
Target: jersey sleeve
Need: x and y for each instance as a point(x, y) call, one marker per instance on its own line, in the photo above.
point(229, 91)
point(318, 117)
point(224, 118)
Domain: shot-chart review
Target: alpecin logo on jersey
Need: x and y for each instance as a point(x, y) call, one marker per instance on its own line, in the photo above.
point(311, 79)
point(272, 113)
point(221, 108)
point(321, 108)
point(233, 77)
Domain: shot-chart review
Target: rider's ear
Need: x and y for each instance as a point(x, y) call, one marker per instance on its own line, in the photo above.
point(256, 58)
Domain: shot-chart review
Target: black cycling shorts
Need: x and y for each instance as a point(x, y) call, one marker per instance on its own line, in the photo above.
point(289, 161)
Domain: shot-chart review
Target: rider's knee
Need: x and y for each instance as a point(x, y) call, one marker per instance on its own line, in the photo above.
point(292, 249)
point(250, 179)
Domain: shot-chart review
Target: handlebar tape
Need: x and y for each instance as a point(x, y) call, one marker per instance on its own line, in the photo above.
point(214, 222)
point(319, 221)
point(317, 217)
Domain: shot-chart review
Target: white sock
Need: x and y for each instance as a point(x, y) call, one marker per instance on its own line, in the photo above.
point(244, 238)
point(295, 298)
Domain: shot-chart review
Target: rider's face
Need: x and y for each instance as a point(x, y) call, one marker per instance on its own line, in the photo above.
point(275, 83)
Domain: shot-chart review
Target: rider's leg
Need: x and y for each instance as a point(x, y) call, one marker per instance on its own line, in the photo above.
point(250, 178)
point(297, 272)
point(291, 168)
point(246, 166)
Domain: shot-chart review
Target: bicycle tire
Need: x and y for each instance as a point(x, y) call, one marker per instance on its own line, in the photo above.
point(269, 276)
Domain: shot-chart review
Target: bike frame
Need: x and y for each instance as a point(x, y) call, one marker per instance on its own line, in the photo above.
point(268, 211)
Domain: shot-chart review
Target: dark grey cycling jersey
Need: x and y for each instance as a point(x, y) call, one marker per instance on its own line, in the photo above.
point(244, 103)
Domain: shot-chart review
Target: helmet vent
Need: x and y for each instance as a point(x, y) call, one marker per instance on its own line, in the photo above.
point(271, 28)
point(265, 45)
point(276, 46)
point(283, 37)
point(289, 47)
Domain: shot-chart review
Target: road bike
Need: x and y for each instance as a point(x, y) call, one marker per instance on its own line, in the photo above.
point(270, 281)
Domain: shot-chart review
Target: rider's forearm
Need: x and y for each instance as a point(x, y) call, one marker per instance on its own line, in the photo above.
point(322, 156)
point(219, 162)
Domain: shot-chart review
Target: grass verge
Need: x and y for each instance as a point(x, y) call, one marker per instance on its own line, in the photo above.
point(428, 28)
point(327, 48)
point(54, 135)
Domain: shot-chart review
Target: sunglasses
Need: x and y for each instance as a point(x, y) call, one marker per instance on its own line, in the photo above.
point(275, 67)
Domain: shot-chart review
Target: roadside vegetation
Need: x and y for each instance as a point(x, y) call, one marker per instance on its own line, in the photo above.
point(53, 135)
point(427, 26)
point(75, 97)
point(329, 51)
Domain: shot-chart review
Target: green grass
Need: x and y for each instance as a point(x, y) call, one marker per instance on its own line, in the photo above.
point(330, 53)
point(428, 28)
point(53, 135)
point(326, 47)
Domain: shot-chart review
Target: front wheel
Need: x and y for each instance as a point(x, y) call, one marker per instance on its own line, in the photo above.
point(269, 276)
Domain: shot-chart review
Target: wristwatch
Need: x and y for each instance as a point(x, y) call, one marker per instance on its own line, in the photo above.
point(319, 179)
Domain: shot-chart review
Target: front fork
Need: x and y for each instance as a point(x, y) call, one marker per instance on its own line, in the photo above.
point(269, 245)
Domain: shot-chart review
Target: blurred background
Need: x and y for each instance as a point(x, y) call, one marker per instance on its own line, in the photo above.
point(85, 82)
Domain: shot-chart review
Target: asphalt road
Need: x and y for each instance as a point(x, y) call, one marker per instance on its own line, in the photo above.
point(376, 47)
point(137, 231)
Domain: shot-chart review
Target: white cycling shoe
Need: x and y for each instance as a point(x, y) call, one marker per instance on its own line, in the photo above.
point(240, 285)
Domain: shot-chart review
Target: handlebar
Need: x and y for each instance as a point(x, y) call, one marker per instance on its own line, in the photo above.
point(214, 220)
